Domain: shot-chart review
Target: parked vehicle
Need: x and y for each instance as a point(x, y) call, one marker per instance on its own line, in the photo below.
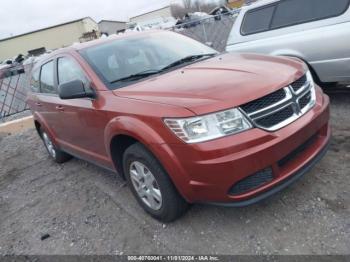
point(188, 21)
point(12, 67)
point(318, 32)
point(135, 27)
point(155, 23)
point(180, 122)
point(220, 11)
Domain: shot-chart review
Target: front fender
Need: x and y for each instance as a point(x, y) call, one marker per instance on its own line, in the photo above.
point(133, 127)
point(145, 134)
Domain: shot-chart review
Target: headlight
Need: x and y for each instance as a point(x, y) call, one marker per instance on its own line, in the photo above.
point(208, 127)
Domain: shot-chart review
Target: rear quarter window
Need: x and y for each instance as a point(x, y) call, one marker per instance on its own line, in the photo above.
point(292, 12)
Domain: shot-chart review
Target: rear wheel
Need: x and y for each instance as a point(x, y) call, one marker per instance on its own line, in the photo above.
point(151, 185)
point(56, 154)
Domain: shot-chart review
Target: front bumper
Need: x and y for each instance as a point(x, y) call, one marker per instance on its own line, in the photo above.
point(279, 187)
point(206, 172)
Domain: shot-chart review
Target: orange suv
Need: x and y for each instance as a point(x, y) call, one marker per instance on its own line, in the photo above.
point(179, 121)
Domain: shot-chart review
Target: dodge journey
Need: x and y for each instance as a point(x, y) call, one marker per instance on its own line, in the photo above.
point(180, 122)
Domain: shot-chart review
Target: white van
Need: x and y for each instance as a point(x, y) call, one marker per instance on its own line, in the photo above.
point(316, 31)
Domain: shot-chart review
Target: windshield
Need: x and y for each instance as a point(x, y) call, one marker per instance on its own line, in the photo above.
point(125, 57)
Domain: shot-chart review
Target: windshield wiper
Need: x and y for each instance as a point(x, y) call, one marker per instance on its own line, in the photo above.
point(150, 72)
point(137, 76)
point(187, 59)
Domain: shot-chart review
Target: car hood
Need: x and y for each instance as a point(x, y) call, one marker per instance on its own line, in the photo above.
point(218, 83)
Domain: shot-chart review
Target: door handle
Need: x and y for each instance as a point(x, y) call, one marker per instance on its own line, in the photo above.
point(38, 104)
point(60, 108)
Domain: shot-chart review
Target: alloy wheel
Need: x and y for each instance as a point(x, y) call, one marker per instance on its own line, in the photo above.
point(145, 185)
point(49, 145)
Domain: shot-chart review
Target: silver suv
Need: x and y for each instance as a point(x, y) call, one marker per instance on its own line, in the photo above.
point(315, 31)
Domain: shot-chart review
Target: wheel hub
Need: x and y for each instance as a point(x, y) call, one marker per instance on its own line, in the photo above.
point(145, 185)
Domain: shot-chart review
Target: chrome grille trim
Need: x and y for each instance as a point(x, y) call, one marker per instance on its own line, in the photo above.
point(292, 99)
point(272, 107)
point(296, 89)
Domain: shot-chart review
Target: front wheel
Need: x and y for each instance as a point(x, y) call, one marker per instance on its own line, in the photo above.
point(151, 185)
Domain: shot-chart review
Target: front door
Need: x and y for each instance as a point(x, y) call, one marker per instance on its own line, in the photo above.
point(82, 125)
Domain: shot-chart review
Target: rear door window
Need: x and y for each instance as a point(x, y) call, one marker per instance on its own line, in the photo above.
point(47, 82)
point(292, 12)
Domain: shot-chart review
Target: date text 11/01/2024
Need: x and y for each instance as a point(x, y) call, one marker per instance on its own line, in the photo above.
point(173, 258)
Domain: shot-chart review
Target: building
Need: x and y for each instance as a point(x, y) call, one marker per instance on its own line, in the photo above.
point(110, 27)
point(163, 12)
point(37, 42)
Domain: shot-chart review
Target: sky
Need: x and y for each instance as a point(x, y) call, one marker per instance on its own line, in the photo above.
point(21, 16)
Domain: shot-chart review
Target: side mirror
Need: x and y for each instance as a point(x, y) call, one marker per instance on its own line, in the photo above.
point(73, 89)
point(9, 62)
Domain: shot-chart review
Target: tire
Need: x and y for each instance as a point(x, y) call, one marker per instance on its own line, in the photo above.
point(323, 85)
point(54, 152)
point(328, 86)
point(168, 204)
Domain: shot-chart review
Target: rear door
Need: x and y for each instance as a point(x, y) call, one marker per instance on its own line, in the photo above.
point(46, 100)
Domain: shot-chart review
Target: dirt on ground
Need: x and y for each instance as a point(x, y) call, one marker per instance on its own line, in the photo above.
point(77, 208)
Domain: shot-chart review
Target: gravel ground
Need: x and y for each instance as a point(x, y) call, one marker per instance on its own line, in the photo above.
point(16, 116)
point(86, 210)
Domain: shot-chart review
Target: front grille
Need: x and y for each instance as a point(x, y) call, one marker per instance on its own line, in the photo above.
point(281, 107)
point(291, 156)
point(252, 182)
point(305, 100)
point(265, 101)
point(297, 85)
point(275, 118)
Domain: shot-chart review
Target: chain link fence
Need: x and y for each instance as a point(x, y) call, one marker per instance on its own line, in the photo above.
point(13, 93)
point(213, 31)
